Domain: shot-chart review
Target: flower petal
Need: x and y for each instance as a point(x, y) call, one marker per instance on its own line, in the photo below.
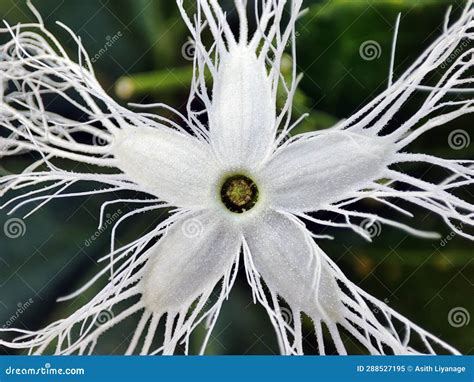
point(311, 173)
point(242, 118)
point(177, 168)
point(189, 261)
point(283, 257)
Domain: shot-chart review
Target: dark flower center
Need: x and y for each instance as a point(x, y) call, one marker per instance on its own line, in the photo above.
point(239, 193)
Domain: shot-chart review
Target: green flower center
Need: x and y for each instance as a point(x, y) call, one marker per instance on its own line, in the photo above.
point(239, 193)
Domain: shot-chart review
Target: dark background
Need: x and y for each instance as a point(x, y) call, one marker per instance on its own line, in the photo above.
point(422, 279)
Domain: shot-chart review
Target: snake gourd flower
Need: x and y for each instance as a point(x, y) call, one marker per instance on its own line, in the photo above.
point(242, 191)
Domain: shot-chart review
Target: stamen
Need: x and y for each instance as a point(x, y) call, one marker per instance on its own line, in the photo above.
point(239, 193)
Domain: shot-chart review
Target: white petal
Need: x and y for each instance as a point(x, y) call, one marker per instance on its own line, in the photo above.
point(283, 257)
point(312, 173)
point(189, 261)
point(242, 118)
point(177, 168)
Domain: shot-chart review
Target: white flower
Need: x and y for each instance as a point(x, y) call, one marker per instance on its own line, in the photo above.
point(241, 190)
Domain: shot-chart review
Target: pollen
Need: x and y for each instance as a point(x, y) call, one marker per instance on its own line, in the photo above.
point(239, 193)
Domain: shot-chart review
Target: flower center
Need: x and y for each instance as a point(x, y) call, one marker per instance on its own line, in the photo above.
point(239, 193)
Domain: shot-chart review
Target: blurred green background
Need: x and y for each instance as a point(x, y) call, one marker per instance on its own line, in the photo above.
point(149, 62)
